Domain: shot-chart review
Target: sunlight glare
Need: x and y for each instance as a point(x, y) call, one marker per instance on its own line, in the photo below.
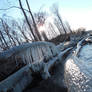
point(41, 28)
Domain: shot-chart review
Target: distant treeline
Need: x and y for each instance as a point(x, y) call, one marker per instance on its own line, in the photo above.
point(16, 32)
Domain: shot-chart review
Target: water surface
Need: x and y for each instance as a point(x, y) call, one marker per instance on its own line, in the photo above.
point(78, 71)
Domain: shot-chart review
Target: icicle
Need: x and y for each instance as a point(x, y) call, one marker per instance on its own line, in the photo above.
point(42, 53)
point(40, 56)
point(33, 51)
point(45, 53)
point(28, 56)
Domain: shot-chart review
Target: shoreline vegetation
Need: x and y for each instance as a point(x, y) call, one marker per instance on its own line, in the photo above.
point(57, 41)
point(7, 68)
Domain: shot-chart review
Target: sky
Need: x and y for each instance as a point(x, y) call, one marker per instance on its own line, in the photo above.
point(77, 12)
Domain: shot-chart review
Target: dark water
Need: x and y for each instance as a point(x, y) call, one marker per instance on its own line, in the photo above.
point(78, 71)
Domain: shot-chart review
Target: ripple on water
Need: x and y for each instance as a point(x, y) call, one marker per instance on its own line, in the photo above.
point(78, 71)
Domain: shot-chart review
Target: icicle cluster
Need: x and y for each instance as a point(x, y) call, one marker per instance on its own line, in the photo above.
point(32, 52)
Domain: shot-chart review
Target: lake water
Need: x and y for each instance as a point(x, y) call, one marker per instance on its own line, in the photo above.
point(78, 71)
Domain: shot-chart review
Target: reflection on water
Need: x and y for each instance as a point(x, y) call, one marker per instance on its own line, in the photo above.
point(86, 54)
point(78, 71)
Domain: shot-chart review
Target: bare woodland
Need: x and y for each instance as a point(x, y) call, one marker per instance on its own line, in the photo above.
point(13, 33)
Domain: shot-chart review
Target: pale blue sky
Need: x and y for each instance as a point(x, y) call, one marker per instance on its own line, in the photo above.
point(77, 12)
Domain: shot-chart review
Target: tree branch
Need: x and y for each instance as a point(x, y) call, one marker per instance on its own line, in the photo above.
point(13, 7)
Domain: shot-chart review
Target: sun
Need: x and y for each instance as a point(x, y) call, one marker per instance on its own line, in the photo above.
point(41, 28)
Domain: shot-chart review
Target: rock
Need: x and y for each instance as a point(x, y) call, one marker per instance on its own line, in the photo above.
point(48, 86)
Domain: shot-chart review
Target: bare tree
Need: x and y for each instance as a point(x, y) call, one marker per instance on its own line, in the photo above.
point(6, 45)
point(67, 24)
point(40, 17)
point(44, 36)
point(56, 13)
point(34, 24)
point(7, 31)
point(35, 38)
point(52, 30)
